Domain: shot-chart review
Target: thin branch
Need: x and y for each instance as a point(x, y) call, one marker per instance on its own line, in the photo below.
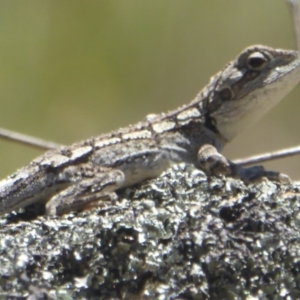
point(295, 8)
point(27, 140)
point(268, 156)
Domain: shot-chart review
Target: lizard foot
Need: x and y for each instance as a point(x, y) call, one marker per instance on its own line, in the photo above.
point(87, 192)
point(214, 163)
point(256, 173)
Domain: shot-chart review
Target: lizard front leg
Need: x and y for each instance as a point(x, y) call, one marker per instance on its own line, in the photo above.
point(88, 188)
point(214, 163)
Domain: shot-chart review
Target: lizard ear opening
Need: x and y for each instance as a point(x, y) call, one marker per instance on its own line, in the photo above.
point(256, 61)
point(226, 94)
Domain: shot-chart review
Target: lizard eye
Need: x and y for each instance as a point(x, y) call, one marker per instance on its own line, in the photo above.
point(256, 61)
point(226, 93)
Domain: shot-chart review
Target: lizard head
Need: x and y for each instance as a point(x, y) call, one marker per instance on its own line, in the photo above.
point(249, 87)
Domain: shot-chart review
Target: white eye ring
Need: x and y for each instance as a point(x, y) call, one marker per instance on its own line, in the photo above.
point(256, 61)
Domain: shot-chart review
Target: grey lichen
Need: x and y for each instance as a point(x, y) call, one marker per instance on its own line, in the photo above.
point(181, 236)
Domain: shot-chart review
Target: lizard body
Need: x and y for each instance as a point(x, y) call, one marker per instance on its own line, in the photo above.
point(75, 176)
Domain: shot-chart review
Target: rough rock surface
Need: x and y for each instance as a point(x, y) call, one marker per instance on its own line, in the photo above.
point(180, 236)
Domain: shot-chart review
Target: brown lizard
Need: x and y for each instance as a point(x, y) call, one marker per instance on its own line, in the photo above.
point(75, 176)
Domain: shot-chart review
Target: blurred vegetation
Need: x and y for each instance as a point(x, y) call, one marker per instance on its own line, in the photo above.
point(73, 69)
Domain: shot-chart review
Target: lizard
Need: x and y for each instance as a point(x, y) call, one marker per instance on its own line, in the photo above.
point(78, 176)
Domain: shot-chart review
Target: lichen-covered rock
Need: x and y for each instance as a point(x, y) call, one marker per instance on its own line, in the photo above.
point(180, 236)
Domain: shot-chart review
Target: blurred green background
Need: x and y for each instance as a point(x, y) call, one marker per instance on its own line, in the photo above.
point(73, 69)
